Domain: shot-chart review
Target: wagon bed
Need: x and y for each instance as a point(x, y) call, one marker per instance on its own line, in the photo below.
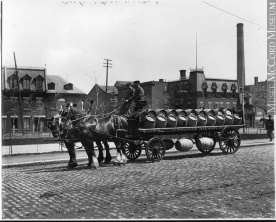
point(155, 141)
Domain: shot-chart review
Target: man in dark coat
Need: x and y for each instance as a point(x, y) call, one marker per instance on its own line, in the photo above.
point(270, 127)
point(139, 92)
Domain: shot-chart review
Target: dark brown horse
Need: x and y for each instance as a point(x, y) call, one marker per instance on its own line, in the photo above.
point(89, 128)
point(68, 131)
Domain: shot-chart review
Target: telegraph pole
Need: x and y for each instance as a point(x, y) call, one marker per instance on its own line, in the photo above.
point(19, 94)
point(107, 66)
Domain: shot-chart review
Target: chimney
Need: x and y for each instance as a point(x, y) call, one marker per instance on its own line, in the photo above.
point(182, 74)
point(256, 80)
point(240, 55)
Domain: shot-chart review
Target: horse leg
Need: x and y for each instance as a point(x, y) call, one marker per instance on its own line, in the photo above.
point(100, 148)
point(124, 158)
point(71, 151)
point(92, 159)
point(107, 150)
point(118, 159)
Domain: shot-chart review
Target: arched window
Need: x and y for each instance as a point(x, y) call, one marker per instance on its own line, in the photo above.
point(224, 90)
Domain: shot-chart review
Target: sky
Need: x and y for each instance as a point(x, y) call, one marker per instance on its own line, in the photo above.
point(146, 40)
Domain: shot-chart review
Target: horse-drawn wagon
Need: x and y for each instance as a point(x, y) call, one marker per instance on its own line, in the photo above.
point(198, 127)
point(154, 131)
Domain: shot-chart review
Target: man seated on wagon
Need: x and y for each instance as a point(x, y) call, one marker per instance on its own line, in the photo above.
point(138, 93)
point(128, 98)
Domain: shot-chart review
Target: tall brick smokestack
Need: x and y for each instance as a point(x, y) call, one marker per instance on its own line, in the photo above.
point(240, 55)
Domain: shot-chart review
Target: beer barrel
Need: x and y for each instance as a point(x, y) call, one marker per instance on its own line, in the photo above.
point(205, 143)
point(220, 119)
point(201, 120)
point(228, 119)
point(211, 117)
point(148, 119)
point(161, 118)
point(218, 111)
point(191, 120)
point(228, 112)
point(184, 145)
point(237, 119)
point(181, 117)
point(171, 118)
point(189, 111)
point(201, 117)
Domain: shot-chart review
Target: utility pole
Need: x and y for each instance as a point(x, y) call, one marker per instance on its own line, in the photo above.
point(107, 66)
point(19, 94)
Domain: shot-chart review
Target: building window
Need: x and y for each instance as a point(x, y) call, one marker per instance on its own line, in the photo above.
point(13, 83)
point(227, 105)
point(26, 84)
point(216, 105)
point(14, 103)
point(221, 105)
point(26, 103)
point(39, 104)
point(233, 89)
point(214, 89)
point(234, 105)
point(27, 122)
point(53, 105)
point(210, 105)
point(4, 124)
point(38, 84)
point(51, 86)
point(201, 104)
point(68, 86)
point(14, 122)
point(224, 90)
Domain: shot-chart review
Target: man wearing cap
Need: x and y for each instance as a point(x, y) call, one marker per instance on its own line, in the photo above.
point(269, 127)
point(139, 92)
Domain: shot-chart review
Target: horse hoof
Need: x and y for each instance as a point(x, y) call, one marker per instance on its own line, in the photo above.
point(72, 165)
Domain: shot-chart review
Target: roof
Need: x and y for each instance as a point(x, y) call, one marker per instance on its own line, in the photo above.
point(110, 89)
point(121, 83)
point(32, 72)
point(219, 84)
point(59, 85)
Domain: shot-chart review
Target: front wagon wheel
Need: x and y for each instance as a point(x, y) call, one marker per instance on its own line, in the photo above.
point(155, 149)
point(230, 140)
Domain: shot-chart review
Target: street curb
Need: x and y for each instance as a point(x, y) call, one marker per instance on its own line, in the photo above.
point(34, 163)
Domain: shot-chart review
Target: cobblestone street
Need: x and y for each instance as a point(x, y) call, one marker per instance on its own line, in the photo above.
point(181, 186)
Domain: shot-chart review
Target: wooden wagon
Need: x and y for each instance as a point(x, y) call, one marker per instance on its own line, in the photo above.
point(155, 141)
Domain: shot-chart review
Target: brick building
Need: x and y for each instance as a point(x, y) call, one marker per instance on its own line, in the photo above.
point(255, 99)
point(198, 91)
point(39, 96)
point(155, 94)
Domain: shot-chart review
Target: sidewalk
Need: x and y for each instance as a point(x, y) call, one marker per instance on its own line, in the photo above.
point(47, 157)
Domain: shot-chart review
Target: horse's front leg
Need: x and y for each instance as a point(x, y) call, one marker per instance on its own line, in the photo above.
point(107, 151)
point(71, 151)
point(123, 154)
point(100, 148)
point(118, 158)
point(89, 148)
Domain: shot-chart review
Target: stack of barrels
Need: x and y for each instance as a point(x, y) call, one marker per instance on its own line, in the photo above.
point(169, 118)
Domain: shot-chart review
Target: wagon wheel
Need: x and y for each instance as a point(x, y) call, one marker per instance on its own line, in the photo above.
point(133, 151)
point(229, 140)
point(155, 149)
point(209, 135)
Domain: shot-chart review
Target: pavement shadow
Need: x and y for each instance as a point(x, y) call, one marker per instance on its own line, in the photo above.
point(50, 168)
point(173, 156)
